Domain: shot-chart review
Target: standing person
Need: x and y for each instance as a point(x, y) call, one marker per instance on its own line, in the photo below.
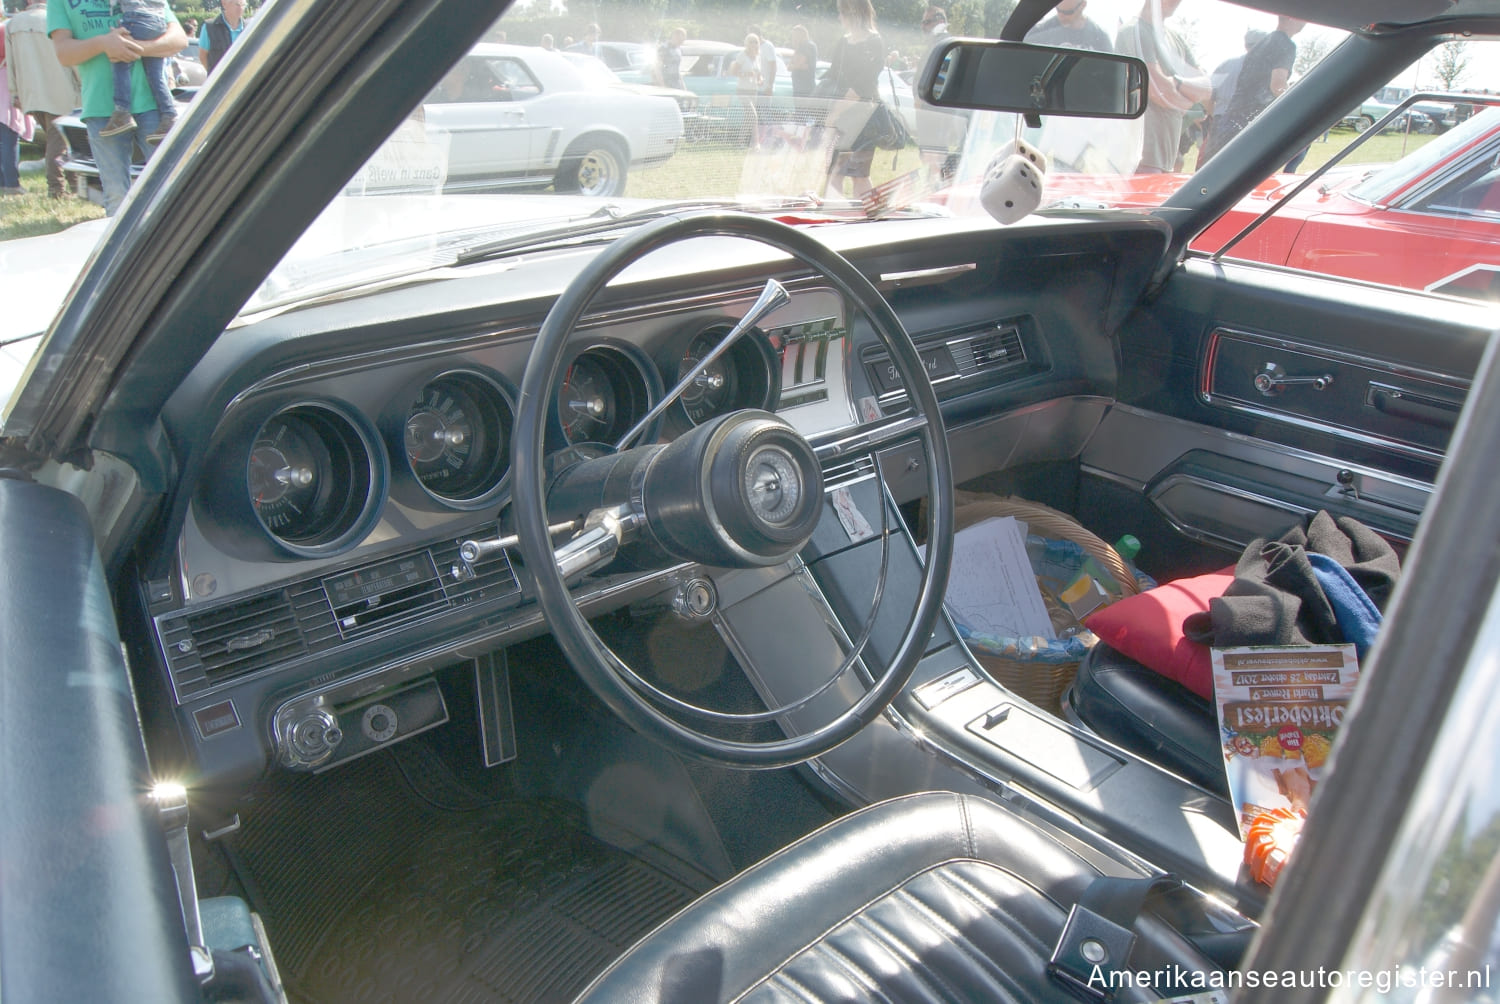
point(939, 130)
point(145, 20)
point(745, 68)
point(1264, 75)
point(41, 86)
point(1176, 83)
point(590, 42)
point(764, 91)
point(803, 66)
point(1224, 79)
point(15, 125)
point(855, 72)
point(766, 63)
point(84, 35)
point(218, 34)
point(1070, 28)
point(670, 59)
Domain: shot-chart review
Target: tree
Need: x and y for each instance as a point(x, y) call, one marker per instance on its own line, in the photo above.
point(996, 13)
point(1452, 63)
point(1310, 52)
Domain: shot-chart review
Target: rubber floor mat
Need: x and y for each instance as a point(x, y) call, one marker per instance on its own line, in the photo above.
point(371, 893)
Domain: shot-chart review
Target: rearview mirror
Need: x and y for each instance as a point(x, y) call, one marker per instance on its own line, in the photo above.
point(999, 76)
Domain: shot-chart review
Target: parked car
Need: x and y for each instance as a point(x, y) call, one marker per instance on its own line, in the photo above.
point(1423, 117)
point(632, 62)
point(457, 595)
point(1429, 221)
point(190, 69)
point(511, 116)
point(79, 168)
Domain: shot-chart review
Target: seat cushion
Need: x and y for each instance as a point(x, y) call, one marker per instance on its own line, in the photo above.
point(932, 897)
point(1147, 627)
point(1155, 718)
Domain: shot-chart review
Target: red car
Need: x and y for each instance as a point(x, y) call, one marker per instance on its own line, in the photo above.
point(1429, 221)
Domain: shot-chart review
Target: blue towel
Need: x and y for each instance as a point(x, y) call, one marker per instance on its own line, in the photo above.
point(1356, 613)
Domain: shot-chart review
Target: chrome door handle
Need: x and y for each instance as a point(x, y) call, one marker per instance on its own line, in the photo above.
point(1272, 380)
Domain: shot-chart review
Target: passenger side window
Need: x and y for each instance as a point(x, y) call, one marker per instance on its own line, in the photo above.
point(1474, 193)
point(1416, 202)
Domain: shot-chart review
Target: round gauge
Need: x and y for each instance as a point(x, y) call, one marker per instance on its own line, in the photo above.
point(456, 436)
point(309, 476)
point(603, 393)
point(285, 464)
point(586, 401)
point(772, 484)
point(745, 376)
point(713, 390)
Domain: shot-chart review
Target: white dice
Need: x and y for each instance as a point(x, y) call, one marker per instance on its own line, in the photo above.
point(1013, 182)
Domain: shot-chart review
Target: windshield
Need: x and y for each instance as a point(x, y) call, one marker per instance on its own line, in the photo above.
point(820, 110)
point(554, 118)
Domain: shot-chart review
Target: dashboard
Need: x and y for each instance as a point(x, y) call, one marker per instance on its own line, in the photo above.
point(312, 581)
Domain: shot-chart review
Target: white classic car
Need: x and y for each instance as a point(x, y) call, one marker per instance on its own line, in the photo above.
point(505, 117)
point(509, 116)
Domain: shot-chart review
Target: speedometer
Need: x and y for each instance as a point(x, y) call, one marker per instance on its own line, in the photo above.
point(604, 391)
point(714, 388)
point(289, 468)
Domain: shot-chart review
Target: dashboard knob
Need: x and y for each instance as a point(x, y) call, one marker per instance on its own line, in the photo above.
point(378, 723)
point(312, 739)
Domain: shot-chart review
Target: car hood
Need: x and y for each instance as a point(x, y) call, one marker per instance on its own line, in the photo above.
point(360, 240)
point(36, 274)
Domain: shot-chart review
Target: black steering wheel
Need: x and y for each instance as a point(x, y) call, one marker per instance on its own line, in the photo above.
point(710, 521)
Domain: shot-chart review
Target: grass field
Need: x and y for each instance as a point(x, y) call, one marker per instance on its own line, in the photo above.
point(33, 214)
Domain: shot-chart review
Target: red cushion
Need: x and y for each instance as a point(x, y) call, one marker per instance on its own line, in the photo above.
point(1147, 627)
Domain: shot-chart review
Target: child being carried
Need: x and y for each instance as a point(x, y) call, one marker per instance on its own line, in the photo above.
point(145, 21)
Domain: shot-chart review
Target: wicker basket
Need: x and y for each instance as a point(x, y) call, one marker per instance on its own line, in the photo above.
point(1040, 682)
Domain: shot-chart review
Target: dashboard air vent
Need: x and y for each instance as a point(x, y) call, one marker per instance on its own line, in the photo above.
point(989, 351)
point(209, 648)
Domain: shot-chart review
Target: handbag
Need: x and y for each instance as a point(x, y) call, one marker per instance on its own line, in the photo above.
point(883, 130)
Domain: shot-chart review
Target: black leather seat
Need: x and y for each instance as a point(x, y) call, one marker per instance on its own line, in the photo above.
point(931, 897)
point(1152, 716)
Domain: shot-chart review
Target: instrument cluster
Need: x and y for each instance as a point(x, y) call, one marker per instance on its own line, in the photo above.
point(308, 474)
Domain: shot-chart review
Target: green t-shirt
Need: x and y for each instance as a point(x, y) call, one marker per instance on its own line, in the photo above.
point(85, 19)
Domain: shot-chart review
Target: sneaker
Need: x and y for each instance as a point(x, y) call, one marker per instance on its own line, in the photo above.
point(162, 128)
point(12, 191)
point(120, 121)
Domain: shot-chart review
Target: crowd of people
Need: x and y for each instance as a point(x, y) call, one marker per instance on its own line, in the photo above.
point(842, 105)
point(1188, 106)
point(110, 61)
point(1229, 97)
